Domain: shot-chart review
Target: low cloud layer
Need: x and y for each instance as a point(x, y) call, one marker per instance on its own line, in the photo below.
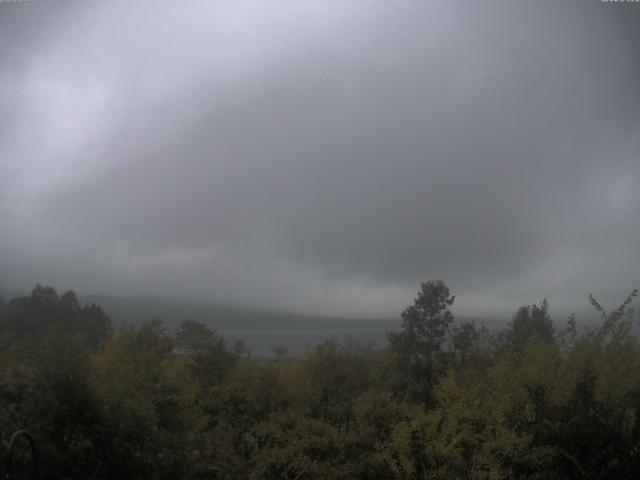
point(323, 157)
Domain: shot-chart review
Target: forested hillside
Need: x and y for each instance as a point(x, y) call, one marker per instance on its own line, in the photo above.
point(446, 400)
point(171, 311)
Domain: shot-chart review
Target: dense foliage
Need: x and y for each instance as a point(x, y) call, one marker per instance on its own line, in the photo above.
point(446, 400)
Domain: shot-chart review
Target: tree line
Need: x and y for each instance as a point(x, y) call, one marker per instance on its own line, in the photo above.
point(445, 399)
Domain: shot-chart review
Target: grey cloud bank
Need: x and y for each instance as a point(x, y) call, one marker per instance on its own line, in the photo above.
point(322, 157)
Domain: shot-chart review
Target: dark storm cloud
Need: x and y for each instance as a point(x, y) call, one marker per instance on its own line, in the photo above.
point(324, 158)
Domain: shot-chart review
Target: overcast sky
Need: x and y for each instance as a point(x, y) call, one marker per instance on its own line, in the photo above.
point(322, 156)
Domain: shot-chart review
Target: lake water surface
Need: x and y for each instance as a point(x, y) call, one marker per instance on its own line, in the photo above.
point(261, 342)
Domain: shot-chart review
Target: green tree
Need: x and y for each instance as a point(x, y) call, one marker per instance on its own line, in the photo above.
point(194, 336)
point(530, 322)
point(35, 315)
point(145, 420)
point(333, 377)
point(47, 388)
point(419, 344)
point(468, 341)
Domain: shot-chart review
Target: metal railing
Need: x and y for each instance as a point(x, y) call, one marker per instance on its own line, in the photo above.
point(10, 463)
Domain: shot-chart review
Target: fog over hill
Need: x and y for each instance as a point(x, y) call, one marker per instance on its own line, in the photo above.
point(135, 310)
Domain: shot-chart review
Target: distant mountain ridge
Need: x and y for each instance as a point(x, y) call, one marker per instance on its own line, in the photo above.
point(7, 295)
point(172, 311)
point(135, 310)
